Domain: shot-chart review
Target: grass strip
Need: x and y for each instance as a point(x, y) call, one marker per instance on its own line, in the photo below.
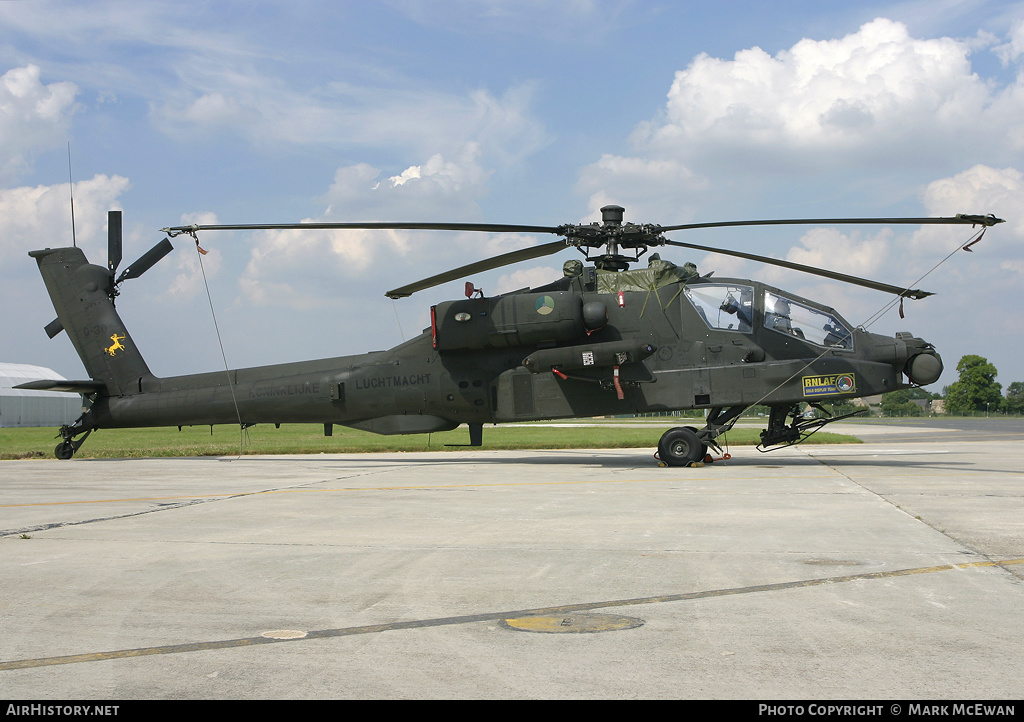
point(309, 439)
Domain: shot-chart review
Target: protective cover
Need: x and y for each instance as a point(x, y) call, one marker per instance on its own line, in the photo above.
point(658, 273)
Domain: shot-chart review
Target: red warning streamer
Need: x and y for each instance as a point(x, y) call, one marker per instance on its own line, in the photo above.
point(618, 386)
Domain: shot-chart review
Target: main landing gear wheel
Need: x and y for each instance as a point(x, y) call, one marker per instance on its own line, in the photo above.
point(681, 447)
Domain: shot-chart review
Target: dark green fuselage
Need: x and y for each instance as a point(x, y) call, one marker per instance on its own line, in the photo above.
point(585, 346)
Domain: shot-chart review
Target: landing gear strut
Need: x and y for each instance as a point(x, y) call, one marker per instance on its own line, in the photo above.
point(780, 433)
point(67, 448)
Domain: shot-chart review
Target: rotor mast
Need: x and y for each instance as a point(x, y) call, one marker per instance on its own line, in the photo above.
point(611, 217)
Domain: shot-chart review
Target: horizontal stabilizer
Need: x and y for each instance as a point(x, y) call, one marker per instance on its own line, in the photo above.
point(71, 387)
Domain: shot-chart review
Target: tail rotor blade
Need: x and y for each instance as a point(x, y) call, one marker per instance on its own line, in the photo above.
point(113, 240)
point(147, 261)
point(53, 327)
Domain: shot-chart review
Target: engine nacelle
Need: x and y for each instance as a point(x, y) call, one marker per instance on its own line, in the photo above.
point(521, 319)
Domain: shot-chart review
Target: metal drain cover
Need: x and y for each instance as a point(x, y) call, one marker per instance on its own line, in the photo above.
point(572, 623)
point(284, 634)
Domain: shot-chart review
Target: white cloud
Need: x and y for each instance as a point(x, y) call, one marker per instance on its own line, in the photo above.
point(267, 111)
point(211, 72)
point(646, 187)
point(568, 21)
point(264, 293)
point(338, 266)
point(1013, 49)
point(983, 189)
point(975, 310)
point(872, 94)
point(40, 216)
point(980, 190)
point(829, 125)
point(524, 278)
point(866, 255)
point(213, 109)
point(848, 253)
point(189, 281)
point(333, 263)
point(434, 185)
point(33, 117)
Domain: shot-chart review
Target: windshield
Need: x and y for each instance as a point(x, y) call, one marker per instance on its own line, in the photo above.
point(724, 306)
point(793, 318)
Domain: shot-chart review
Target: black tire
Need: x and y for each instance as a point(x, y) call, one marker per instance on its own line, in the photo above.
point(703, 446)
point(681, 447)
point(64, 451)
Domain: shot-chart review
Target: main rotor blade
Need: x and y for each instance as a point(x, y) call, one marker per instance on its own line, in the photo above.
point(487, 264)
point(147, 260)
point(867, 283)
point(961, 219)
point(486, 227)
point(988, 220)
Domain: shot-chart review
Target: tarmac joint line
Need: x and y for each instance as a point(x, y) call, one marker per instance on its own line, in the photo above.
point(485, 617)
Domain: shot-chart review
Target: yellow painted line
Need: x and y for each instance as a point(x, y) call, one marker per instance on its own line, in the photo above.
point(229, 494)
point(659, 480)
point(485, 617)
point(120, 501)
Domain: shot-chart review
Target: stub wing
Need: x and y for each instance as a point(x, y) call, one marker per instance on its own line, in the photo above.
point(72, 387)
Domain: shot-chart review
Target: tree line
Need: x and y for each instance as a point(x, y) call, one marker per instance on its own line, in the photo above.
point(975, 391)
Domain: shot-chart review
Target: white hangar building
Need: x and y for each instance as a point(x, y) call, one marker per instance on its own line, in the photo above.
point(21, 407)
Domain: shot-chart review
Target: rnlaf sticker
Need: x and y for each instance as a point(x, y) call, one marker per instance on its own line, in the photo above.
point(829, 385)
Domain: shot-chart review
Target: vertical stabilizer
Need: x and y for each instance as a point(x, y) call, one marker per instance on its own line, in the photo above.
point(82, 296)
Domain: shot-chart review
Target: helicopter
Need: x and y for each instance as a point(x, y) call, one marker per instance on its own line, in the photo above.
point(605, 339)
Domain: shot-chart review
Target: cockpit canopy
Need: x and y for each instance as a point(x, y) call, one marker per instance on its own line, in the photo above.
point(736, 307)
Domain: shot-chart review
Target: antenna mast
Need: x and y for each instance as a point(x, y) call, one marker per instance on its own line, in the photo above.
point(71, 190)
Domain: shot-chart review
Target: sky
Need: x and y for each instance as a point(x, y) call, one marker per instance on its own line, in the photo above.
point(502, 111)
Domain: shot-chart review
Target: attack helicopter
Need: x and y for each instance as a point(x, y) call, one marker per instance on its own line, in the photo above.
point(605, 339)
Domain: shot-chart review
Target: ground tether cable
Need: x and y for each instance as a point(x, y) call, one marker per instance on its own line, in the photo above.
point(227, 371)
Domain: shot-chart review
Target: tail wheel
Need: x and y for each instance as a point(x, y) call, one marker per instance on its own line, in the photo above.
point(681, 447)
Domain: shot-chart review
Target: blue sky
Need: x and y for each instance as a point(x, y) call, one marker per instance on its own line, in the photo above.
point(502, 111)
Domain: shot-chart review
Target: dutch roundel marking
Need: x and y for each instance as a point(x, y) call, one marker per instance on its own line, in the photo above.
point(545, 305)
point(830, 385)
